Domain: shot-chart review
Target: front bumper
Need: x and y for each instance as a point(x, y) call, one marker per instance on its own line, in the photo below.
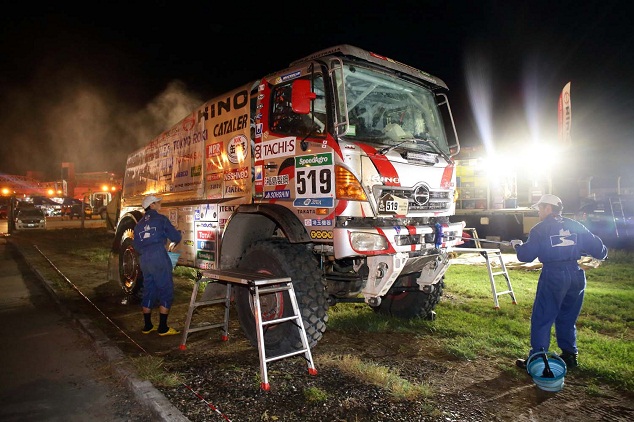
point(409, 249)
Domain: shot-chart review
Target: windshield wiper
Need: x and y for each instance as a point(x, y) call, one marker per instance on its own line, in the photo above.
point(435, 147)
point(385, 150)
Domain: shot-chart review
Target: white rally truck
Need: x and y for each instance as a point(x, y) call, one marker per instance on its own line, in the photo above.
point(336, 171)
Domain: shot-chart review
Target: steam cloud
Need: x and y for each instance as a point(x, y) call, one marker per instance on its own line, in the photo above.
point(81, 122)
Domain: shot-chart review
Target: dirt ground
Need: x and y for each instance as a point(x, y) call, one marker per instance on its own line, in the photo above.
point(221, 379)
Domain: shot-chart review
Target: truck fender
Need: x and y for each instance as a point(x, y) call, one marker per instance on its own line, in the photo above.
point(253, 222)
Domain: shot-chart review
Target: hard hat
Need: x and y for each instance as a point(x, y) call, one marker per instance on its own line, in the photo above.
point(550, 200)
point(149, 200)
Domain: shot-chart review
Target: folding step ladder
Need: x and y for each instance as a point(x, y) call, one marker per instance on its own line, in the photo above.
point(257, 284)
point(488, 254)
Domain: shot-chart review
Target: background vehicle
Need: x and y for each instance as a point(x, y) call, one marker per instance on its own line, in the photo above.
point(611, 218)
point(336, 172)
point(30, 218)
point(72, 209)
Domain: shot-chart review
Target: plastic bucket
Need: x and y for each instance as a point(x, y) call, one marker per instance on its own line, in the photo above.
point(535, 368)
point(174, 258)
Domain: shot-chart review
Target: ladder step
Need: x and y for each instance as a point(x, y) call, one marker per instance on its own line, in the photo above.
point(279, 320)
point(503, 293)
point(274, 289)
point(205, 327)
point(499, 273)
point(287, 355)
point(207, 302)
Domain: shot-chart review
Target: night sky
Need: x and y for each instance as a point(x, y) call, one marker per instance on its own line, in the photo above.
point(89, 84)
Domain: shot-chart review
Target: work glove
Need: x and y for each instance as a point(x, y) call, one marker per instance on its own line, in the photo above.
point(516, 242)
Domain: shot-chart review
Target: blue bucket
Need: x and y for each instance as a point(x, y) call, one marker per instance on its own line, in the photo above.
point(535, 367)
point(174, 258)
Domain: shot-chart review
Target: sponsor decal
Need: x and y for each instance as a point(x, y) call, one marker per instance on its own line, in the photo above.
point(281, 147)
point(280, 180)
point(188, 242)
point(205, 255)
point(188, 140)
point(237, 174)
point(258, 130)
point(234, 189)
point(288, 77)
point(209, 212)
point(237, 149)
point(214, 177)
point(213, 150)
point(314, 202)
point(324, 159)
point(314, 222)
point(321, 234)
point(206, 235)
point(277, 194)
point(206, 245)
point(231, 125)
point(300, 211)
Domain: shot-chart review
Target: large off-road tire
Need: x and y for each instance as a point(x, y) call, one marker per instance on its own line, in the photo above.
point(130, 275)
point(404, 300)
point(277, 257)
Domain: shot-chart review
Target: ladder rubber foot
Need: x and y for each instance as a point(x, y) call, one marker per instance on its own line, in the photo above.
point(312, 371)
point(265, 386)
point(182, 347)
point(224, 338)
point(514, 303)
point(497, 308)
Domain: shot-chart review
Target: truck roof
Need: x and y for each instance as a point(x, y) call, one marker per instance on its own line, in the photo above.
point(350, 50)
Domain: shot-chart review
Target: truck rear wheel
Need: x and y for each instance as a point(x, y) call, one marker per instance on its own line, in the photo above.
point(405, 300)
point(277, 257)
point(130, 275)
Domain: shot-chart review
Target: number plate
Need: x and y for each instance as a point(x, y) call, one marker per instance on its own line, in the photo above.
point(390, 204)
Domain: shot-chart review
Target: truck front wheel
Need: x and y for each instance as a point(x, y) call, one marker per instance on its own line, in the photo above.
point(405, 300)
point(279, 258)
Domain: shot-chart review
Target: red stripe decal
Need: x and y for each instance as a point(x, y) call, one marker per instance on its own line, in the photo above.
point(382, 164)
point(447, 177)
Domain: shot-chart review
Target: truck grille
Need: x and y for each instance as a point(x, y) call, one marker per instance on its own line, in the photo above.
point(430, 200)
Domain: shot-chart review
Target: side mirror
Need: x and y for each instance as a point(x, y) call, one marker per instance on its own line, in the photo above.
point(302, 96)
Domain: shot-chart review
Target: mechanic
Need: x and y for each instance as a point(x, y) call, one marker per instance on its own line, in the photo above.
point(558, 242)
point(150, 237)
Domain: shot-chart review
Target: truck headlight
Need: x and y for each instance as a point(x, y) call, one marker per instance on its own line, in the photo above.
point(364, 242)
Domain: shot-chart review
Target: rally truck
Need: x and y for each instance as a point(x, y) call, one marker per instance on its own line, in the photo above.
point(336, 172)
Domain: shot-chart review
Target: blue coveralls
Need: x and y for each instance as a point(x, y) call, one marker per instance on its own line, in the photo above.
point(558, 242)
point(150, 236)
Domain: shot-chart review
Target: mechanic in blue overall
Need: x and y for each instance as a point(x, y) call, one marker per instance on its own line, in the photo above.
point(558, 242)
point(150, 238)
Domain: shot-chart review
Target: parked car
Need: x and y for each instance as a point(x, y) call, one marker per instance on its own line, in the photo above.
point(30, 218)
point(611, 218)
point(72, 208)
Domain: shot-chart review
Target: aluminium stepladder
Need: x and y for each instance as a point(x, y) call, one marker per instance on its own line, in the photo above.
point(488, 254)
point(258, 284)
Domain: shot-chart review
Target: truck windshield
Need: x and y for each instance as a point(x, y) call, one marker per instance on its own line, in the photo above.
point(392, 113)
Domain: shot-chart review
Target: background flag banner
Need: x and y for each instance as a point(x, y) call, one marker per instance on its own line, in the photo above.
point(565, 116)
